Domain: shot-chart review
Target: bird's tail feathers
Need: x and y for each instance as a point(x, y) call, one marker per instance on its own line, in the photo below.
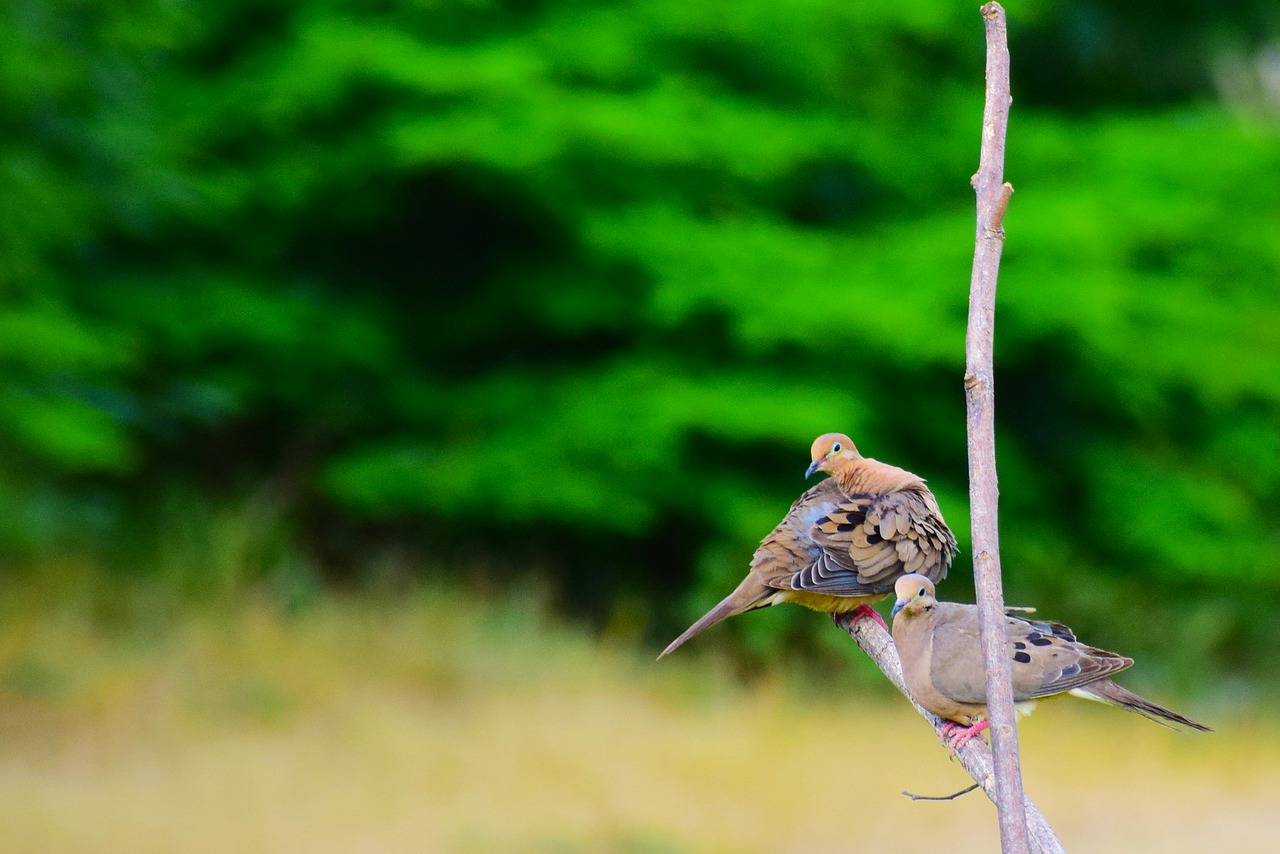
point(749, 594)
point(1106, 691)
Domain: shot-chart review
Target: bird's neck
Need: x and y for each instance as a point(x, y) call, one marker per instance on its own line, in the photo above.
point(872, 477)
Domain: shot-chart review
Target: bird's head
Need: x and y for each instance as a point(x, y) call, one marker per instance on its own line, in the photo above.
point(915, 595)
point(830, 452)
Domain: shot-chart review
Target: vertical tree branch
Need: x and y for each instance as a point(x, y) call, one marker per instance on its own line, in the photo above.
point(993, 198)
point(995, 769)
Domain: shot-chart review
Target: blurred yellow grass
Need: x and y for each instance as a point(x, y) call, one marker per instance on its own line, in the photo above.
point(426, 723)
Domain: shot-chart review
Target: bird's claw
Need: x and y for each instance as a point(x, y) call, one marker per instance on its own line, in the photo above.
point(846, 619)
point(956, 736)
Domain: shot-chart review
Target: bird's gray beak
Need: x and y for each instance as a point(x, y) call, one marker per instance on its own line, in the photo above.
point(813, 466)
point(897, 606)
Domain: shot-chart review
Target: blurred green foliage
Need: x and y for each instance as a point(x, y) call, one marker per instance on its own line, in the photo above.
point(571, 285)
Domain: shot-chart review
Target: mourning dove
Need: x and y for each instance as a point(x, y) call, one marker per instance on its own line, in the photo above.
point(844, 542)
point(942, 663)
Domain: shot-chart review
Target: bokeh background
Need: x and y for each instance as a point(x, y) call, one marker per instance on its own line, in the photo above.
point(382, 384)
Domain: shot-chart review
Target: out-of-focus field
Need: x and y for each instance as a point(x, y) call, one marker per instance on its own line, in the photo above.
point(424, 723)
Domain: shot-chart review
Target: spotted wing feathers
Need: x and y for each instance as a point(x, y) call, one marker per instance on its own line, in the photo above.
point(866, 542)
point(1047, 659)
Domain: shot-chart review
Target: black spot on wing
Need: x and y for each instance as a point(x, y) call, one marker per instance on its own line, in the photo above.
point(1022, 658)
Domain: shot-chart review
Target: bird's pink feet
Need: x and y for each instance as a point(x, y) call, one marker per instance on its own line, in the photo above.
point(848, 618)
point(956, 736)
point(866, 611)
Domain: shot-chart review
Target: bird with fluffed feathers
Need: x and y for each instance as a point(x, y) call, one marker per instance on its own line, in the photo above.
point(844, 542)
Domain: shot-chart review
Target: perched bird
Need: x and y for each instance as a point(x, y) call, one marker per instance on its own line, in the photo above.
point(844, 542)
point(942, 663)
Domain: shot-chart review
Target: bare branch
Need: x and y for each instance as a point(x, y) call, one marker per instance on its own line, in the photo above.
point(951, 797)
point(1022, 827)
point(975, 757)
point(993, 199)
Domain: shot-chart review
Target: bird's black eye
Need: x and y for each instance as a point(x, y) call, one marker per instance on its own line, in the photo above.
point(922, 591)
point(835, 448)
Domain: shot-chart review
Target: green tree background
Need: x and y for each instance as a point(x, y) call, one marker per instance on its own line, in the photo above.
point(289, 289)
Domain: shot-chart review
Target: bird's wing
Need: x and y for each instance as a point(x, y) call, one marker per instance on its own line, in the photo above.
point(1048, 660)
point(1045, 657)
point(866, 542)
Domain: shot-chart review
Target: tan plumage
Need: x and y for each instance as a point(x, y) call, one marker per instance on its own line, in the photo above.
point(942, 660)
point(844, 542)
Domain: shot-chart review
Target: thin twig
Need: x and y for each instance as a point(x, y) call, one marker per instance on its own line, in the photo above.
point(993, 198)
point(975, 756)
point(951, 797)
